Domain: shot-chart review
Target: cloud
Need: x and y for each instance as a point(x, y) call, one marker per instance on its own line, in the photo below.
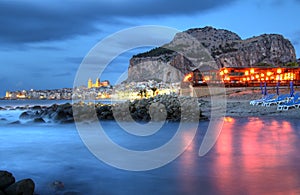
point(37, 21)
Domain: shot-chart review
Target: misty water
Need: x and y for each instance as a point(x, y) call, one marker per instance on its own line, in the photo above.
point(251, 156)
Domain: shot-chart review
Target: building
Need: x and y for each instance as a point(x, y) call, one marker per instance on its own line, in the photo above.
point(98, 83)
point(253, 76)
point(245, 76)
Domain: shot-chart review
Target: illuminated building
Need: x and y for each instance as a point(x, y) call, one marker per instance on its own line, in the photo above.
point(241, 76)
point(247, 76)
point(8, 95)
point(98, 83)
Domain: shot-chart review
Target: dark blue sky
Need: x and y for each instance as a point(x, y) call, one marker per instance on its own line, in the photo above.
point(43, 42)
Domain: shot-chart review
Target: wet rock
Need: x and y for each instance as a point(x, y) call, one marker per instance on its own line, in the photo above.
point(27, 115)
point(60, 115)
point(36, 108)
point(2, 108)
point(6, 179)
point(58, 185)
point(21, 108)
point(15, 123)
point(39, 120)
point(23, 187)
point(68, 121)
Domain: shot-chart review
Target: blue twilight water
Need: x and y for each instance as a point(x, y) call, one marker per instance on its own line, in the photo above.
point(15, 103)
point(251, 156)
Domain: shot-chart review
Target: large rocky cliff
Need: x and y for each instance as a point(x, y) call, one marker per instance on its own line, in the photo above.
point(208, 48)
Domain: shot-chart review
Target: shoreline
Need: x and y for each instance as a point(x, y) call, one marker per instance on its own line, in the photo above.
point(237, 106)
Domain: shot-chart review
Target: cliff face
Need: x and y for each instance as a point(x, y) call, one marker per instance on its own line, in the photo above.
point(208, 48)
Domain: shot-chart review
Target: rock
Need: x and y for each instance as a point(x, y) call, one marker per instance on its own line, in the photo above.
point(23, 187)
point(6, 179)
point(2, 108)
point(58, 185)
point(39, 120)
point(60, 115)
point(21, 108)
point(36, 108)
point(217, 47)
point(68, 121)
point(27, 115)
point(15, 123)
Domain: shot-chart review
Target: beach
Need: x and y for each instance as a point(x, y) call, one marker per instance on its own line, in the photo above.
point(238, 104)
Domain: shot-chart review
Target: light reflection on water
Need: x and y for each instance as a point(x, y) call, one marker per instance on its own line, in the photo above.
point(257, 157)
point(251, 156)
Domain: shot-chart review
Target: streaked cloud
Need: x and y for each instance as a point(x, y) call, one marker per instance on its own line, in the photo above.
point(37, 21)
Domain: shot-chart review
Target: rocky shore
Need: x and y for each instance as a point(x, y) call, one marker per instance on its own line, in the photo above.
point(9, 186)
point(158, 108)
point(161, 107)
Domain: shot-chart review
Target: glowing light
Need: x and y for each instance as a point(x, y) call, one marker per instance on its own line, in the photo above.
point(188, 77)
point(244, 79)
point(221, 73)
point(252, 70)
point(206, 78)
point(225, 71)
point(228, 119)
point(247, 73)
point(262, 74)
point(248, 79)
point(257, 76)
point(269, 73)
point(278, 71)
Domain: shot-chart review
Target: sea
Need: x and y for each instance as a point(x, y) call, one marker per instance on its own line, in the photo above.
point(252, 155)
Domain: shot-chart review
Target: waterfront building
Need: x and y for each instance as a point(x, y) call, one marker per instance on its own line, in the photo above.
point(98, 83)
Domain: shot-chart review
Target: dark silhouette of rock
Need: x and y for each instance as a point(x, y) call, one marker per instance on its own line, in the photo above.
point(6, 179)
point(15, 123)
point(36, 108)
point(1, 193)
point(39, 120)
point(58, 185)
point(23, 187)
point(27, 115)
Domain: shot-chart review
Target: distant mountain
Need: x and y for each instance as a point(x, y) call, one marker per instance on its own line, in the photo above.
point(199, 48)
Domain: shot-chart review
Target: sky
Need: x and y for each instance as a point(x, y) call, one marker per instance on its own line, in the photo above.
point(42, 43)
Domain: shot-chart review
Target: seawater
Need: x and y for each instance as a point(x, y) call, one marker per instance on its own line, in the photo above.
point(26, 102)
point(251, 156)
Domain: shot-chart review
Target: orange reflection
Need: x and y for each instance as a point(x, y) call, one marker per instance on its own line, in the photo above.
point(189, 162)
point(254, 153)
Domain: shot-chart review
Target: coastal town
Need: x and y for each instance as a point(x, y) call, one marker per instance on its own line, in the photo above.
point(98, 90)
